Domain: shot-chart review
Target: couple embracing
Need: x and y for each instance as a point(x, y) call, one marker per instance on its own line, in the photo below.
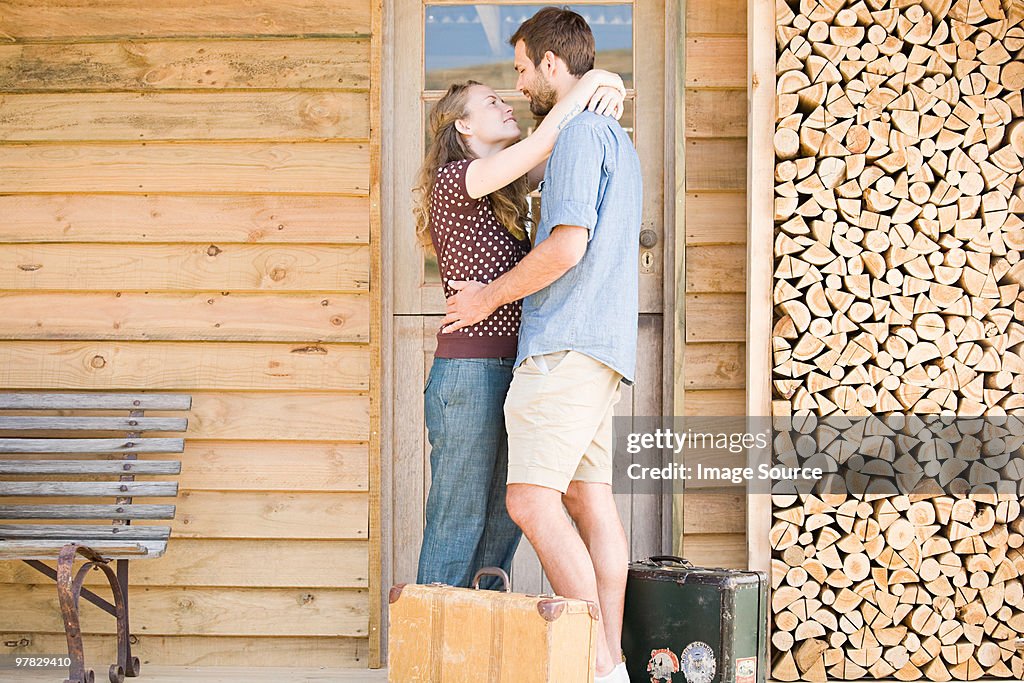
point(536, 340)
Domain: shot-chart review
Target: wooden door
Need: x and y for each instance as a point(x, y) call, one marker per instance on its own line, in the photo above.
point(424, 63)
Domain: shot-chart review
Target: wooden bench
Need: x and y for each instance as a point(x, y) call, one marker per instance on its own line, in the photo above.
point(77, 458)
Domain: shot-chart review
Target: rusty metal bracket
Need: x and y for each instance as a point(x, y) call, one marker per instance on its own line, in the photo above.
point(86, 593)
point(69, 589)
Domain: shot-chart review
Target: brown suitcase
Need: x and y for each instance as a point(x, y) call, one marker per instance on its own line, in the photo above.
point(442, 634)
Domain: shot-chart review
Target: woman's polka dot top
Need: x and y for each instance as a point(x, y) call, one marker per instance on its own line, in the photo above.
point(472, 245)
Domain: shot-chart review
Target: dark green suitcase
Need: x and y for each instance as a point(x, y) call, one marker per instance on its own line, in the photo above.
point(689, 624)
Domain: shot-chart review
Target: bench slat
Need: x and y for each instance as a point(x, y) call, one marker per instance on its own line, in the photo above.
point(86, 512)
point(84, 531)
point(99, 401)
point(23, 434)
point(126, 467)
point(100, 424)
point(133, 489)
point(8, 445)
point(48, 550)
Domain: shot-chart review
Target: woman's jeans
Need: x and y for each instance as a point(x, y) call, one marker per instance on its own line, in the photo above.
point(468, 526)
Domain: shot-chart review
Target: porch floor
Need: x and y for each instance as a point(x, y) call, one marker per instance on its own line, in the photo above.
point(212, 674)
point(240, 674)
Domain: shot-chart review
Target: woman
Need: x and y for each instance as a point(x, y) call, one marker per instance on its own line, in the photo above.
point(471, 211)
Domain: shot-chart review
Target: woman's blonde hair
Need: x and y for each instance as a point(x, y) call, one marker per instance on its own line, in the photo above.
point(448, 145)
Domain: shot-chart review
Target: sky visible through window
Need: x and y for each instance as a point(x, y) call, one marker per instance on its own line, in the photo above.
point(471, 41)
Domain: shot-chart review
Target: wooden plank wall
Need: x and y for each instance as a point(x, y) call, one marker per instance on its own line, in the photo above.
point(185, 189)
point(715, 120)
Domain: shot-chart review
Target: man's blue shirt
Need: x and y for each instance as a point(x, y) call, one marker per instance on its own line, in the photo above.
point(591, 180)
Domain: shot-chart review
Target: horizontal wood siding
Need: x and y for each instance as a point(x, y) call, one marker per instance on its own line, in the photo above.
point(213, 651)
point(186, 192)
point(713, 520)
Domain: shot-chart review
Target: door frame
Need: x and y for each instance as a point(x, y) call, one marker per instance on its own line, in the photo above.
point(760, 254)
point(395, 94)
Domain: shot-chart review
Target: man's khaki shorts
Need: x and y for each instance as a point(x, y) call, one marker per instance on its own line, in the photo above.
point(558, 414)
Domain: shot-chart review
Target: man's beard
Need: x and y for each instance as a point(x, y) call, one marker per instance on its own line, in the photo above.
point(542, 97)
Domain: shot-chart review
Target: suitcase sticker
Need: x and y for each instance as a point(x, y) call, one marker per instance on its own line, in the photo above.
point(662, 665)
point(698, 662)
point(746, 669)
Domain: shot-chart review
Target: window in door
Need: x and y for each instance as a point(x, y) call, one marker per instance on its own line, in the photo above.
point(470, 42)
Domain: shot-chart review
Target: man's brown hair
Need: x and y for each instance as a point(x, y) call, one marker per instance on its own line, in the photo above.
point(561, 31)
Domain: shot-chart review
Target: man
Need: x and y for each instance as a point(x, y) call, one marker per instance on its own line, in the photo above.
point(577, 339)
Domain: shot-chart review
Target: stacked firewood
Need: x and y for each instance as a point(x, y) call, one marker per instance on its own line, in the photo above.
point(899, 212)
point(910, 587)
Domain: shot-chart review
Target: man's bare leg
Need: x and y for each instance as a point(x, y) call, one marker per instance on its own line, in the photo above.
point(538, 512)
point(592, 507)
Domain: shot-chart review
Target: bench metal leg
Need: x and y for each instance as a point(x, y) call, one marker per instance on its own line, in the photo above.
point(69, 589)
point(131, 664)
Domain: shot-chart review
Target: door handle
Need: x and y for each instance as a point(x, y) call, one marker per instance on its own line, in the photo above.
point(648, 238)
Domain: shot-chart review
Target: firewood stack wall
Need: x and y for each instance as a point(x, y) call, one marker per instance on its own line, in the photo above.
point(898, 210)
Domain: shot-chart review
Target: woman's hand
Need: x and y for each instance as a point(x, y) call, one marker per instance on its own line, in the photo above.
point(600, 91)
point(607, 101)
point(597, 78)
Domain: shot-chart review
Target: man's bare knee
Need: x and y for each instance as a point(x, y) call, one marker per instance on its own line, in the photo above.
point(527, 505)
point(517, 505)
point(573, 501)
point(589, 501)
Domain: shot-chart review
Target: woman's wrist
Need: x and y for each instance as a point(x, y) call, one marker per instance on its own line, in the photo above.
point(569, 115)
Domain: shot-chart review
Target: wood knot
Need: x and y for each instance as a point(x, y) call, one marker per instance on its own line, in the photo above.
point(321, 111)
point(315, 348)
point(213, 250)
point(29, 267)
point(98, 362)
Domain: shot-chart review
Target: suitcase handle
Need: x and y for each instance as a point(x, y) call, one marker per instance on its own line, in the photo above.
point(662, 560)
point(492, 571)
